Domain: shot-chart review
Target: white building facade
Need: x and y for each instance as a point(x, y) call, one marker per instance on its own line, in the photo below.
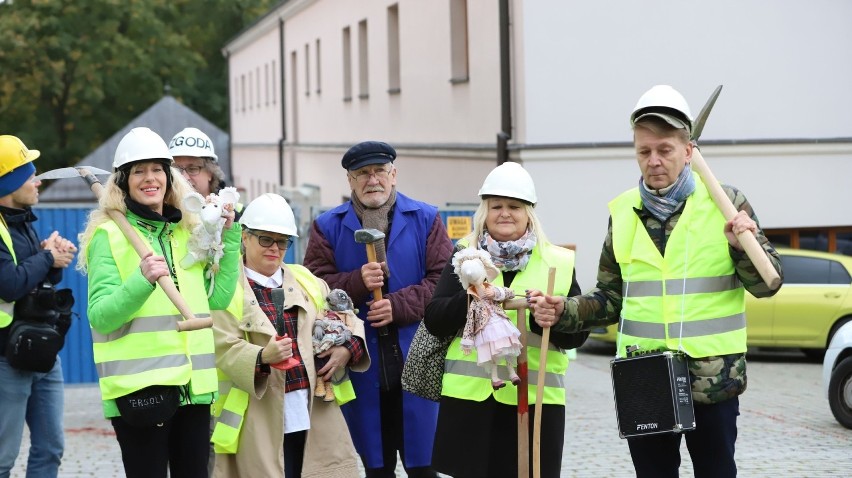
point(433, 79)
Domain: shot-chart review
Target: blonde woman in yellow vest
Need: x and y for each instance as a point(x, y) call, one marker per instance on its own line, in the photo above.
point(477, 431)
point(674, 272)
point(143, 363)
point(268, 422)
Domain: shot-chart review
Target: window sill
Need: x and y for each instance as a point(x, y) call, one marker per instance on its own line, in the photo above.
point(456, 81)
point(347, 98)
point(394, 91)
point(363, 97)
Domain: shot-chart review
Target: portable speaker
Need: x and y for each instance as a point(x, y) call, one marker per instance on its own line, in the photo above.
point(652, 394)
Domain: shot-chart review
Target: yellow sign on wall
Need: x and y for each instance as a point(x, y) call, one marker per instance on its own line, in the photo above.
point(459, 226)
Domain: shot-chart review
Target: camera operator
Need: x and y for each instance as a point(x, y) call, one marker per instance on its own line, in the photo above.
point(25, 266)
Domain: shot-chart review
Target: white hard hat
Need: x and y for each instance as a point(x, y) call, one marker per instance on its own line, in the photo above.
point(192, 142)
point(140, 143)
point(666, 103)
point(270, 212)
point(509, 180)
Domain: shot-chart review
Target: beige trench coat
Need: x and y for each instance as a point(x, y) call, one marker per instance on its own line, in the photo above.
point(329, 451)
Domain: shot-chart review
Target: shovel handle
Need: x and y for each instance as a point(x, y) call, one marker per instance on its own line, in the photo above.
point(539, 388)
point(747, 238)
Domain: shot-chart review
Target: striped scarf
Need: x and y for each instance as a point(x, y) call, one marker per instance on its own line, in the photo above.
point(663, 206)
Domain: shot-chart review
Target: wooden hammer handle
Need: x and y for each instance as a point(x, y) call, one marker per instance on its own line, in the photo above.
point(747, 239)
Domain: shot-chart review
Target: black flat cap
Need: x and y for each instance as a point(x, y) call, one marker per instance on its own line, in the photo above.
point(367, 153)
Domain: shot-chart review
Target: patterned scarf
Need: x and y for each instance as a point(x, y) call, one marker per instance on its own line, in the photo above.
point(663, 206)
point(509, 255)
point(376, 218)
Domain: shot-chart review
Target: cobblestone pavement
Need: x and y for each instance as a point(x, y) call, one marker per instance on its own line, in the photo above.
point(785, 427)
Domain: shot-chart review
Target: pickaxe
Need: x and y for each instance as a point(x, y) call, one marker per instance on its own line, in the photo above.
point(723, 202)
point(370, 237)
point(88, 173)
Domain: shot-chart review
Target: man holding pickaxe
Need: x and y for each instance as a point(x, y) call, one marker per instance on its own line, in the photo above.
point(391, 290)
point(679, 254)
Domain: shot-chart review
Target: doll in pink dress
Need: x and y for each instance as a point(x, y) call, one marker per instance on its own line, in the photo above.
point(488, 328)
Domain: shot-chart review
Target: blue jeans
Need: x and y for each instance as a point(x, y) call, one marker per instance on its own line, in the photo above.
point(38, 399)
point(710, 445)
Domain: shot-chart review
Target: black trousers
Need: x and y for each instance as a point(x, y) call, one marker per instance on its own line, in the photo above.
point(710, 445)
point(480, 439)
point(180, 445)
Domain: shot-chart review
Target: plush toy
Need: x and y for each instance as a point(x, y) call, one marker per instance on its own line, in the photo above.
point(205, 244)
point(335, 328)
point(488, 328)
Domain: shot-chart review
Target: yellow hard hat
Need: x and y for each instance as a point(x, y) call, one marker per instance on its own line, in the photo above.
point(13, 154)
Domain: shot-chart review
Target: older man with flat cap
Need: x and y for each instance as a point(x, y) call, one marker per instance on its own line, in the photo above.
point(384, 420)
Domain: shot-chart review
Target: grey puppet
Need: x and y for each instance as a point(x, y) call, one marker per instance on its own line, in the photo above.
point(335, 328)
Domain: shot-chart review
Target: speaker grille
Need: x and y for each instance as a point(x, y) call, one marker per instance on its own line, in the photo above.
point(643, 395)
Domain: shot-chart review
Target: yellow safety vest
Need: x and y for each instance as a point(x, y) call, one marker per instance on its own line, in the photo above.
point(231, 408)
point(148, 349)
point(6, 308)
point(690, 299)
point(464, 379)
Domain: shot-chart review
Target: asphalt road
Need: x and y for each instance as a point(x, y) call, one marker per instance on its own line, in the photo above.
point(785, 428)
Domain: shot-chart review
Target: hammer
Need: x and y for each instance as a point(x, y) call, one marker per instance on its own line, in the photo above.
point(370, 237)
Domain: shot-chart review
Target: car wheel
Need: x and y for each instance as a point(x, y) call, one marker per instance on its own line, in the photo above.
point(840, 392)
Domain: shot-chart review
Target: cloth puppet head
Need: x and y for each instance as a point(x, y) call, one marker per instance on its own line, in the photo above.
point(474, 267)
point(339, 301)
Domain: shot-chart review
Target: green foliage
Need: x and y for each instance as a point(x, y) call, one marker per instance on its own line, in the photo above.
point(74, 72)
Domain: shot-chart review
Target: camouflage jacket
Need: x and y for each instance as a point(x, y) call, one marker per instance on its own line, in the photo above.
point(714, 379)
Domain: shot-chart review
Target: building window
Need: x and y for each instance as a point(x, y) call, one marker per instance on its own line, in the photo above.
point(243, 92)
point(458, 42)
point(257, 78)
point(830, 239)
point(250, 90)
point(319, 86)
point(347, 64)
point(307, 70)
point(235, 95)
point(266, 84)
point(363, 71)
point(274, 83)
point(393, 49)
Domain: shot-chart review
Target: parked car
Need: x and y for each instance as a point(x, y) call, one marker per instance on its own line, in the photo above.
point(837, 375)
point(812, 305)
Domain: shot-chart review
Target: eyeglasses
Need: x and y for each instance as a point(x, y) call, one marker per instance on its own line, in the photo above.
point(190, 170)
point(267, 241)
point(364, 175)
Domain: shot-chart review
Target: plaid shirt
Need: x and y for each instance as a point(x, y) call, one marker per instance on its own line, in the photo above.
point(297, 377)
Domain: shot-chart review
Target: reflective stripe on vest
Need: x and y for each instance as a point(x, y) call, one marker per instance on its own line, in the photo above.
point(148, 349)
point(464, 379)
point(6, 308)
point(689, 299)
point(233, 402)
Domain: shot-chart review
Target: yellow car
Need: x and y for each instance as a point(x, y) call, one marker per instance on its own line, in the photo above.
point(815, 300)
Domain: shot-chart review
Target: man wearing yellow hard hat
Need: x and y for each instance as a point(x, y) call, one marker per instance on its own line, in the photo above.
point(31, 383)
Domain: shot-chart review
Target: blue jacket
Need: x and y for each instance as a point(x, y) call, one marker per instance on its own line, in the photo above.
point(412, 225)
point(34, 264)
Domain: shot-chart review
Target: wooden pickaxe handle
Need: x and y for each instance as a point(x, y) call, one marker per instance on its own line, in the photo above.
point(192, 322)
point(539, 388)
point(747, 239)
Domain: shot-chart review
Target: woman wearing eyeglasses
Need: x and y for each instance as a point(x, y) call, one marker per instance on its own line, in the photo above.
point(259, 432)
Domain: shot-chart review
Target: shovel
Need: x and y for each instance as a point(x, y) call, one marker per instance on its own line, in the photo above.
point(88, 173)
